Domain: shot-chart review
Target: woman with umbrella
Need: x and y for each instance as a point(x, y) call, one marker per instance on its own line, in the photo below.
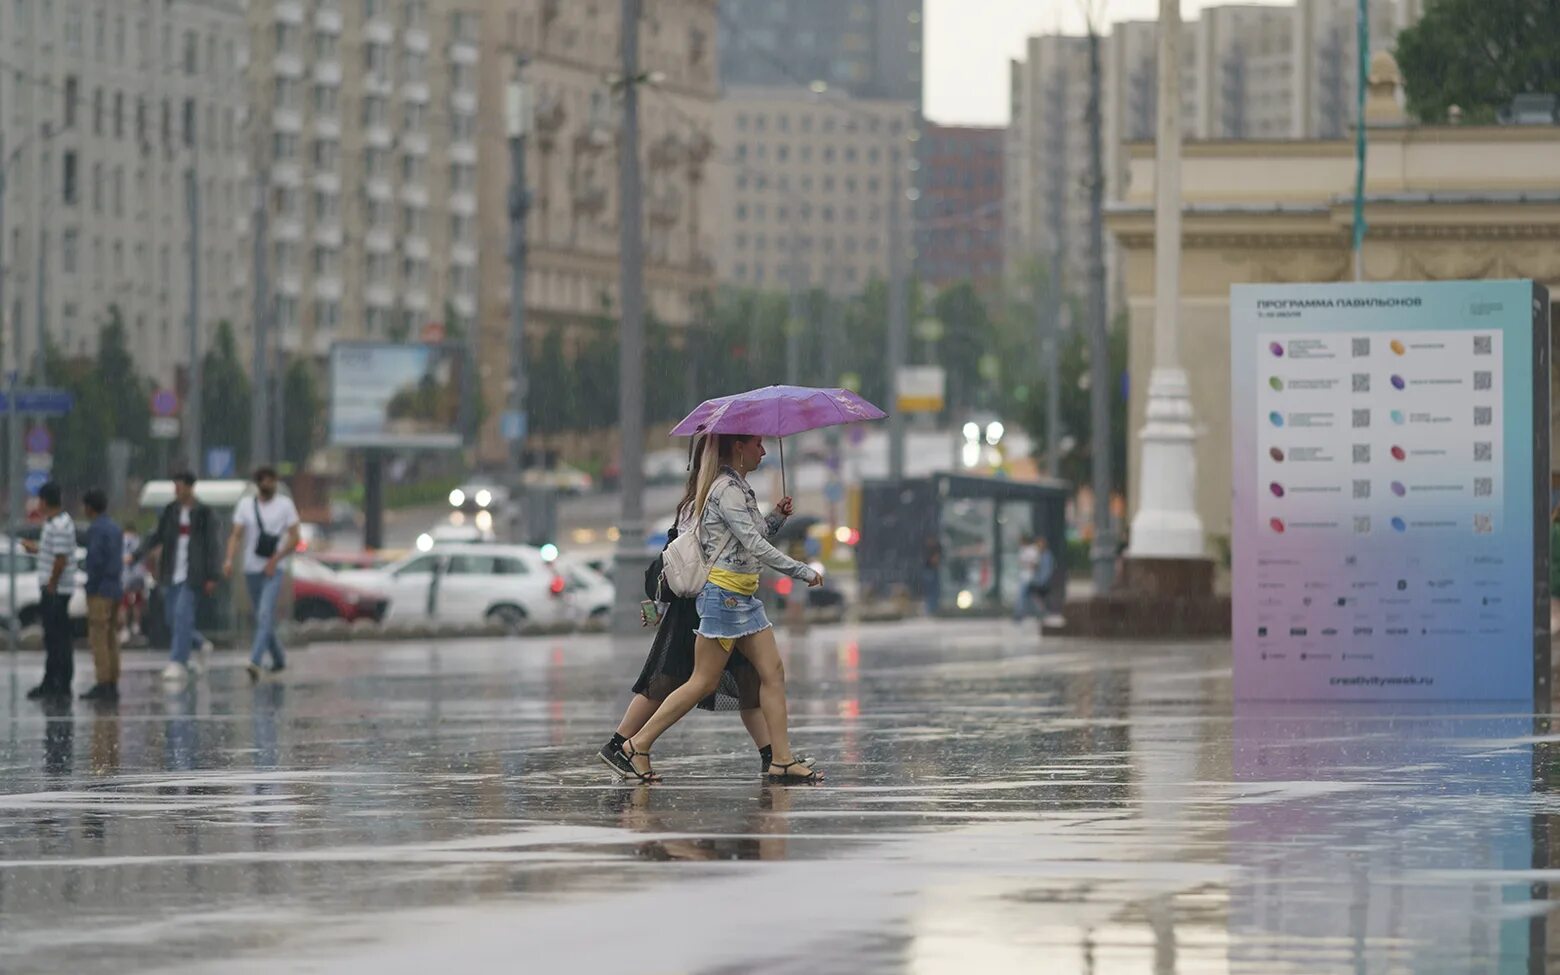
point(733, 537)
point(734, 543)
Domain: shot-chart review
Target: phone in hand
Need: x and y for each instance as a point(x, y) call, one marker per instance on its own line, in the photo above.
point(650, 612)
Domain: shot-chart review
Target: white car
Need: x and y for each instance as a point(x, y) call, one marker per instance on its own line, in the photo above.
point(29, 591)
point(471, 583)
point(593, 592)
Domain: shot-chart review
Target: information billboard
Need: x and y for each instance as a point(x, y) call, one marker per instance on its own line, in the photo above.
point(401, 396)
point(1391, 487)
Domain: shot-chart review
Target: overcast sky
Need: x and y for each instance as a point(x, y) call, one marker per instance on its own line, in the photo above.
point(969, 42)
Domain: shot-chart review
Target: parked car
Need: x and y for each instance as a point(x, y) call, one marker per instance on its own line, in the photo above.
point(668, 466)
point(562, 478)
point(339, 559)
point(593, 593)
point(471, 583)
point(320, 594)
point(479, 495)
point(29, 592)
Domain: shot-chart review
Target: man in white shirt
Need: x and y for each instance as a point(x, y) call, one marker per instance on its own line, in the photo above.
point(56, 551)
point(266, 525)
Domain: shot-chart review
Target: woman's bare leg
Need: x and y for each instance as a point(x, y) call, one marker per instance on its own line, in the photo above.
point(638, 712)
point(708, 662)
point(764, 655)
point(757, 727)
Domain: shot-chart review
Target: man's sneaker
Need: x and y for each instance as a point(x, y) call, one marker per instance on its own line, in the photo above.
point(40, 692)
point(255, 673)
point(612, 755)
point(207, 648)
point(102, 692)
point(175, 673)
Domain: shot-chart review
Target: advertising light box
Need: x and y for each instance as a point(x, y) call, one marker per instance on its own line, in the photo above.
point(391, 395)
point(1391, 488)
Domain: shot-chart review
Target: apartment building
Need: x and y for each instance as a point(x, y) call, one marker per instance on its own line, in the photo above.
point(110, 113)
point(804, 187)
point(367, 125)
point(958, 227)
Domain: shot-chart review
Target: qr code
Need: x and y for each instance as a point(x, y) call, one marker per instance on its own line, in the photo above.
point(1483, 416)
point(1362, 382)
point(1482, 345)
point(1483, 451)
point(1483, 487)
point(1361, 347)
point(1483, 524)
point(1361, 489)
point(1361, 419)
point(1481, 380)
point(1362, 453)
point(1362, 525)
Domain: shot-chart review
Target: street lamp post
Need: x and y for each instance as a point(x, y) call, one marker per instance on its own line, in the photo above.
point(192, 402)
point(517, 120)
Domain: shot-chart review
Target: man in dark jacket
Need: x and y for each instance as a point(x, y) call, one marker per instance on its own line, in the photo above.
point(105, 570)
point(188, 567)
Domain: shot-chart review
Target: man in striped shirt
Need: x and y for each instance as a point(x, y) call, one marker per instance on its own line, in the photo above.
point(56, 550)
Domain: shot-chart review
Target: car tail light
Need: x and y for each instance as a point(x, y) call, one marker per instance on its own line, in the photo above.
point(783, 585)
point(557, 586)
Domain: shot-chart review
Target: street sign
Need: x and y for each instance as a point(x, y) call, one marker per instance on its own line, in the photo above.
point(920, 389)
point(165, 402)
point(34, 481)
point(512, 425)
point(165, 427)
point(38, 440)
point(40, 462)
point(40, 401)
point(220, 462)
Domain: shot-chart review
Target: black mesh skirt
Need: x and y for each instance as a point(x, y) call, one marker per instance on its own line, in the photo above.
point(670, 664)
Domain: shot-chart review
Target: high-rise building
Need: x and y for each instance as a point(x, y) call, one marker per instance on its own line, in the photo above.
point(1324, 39)
point(804, 187)
point(572, 273)
point(959, 213)
point(368, 112)
point(107, 111)
point(1243, 73)
point(867, 48)
point(1047, 208)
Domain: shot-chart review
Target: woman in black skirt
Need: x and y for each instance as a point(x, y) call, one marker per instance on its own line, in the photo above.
point(670, 662)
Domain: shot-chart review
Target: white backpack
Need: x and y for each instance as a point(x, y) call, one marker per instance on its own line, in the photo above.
point(683, 566)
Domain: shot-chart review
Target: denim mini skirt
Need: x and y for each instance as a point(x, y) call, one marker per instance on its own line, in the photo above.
point(727, 615)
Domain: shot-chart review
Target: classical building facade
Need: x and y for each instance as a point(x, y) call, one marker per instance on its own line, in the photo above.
point(572, 49)
point(1281, 211)
point(107, 110)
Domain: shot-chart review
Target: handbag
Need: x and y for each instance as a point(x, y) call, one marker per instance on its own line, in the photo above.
point(265, 542)
point(654, 585)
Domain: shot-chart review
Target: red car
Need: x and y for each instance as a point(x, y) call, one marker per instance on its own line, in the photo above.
point(319, 595)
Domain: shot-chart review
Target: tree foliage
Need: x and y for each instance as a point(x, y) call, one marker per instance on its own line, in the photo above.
point(225, 396)
point(1478, 54)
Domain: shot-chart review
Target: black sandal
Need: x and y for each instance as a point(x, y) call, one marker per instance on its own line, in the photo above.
point(784, 778)
point(646, 777)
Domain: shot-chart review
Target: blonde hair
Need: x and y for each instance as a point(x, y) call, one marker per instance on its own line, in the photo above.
point(717, 451)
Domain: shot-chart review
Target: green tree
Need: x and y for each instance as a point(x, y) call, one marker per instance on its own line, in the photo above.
point(301, 425)
point(224, 396)
point(80, 437)
point(1478, 54)
point(126, 393)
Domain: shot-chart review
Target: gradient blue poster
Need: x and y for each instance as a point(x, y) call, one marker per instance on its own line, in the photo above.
point(1391, 489)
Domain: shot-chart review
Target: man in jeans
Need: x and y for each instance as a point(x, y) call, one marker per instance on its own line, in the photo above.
point(187, 568)
point(266, 525)
point(56, 551)
point(105, 567)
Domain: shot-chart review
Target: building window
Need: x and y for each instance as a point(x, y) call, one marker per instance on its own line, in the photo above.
point(375, 111)
point(413, 67)
point(326, 153)
point(411, 169)
point(73, 27)
point(284, 147)
point(412, 117)
point(325, 99)
point(460, 228)
point(119, 191)
point(192, 48)
point(119, 115)
point(97, 187)
point(72, 90)
point(377, 61)
point(412, 221)
point(463, 127)
point(462, 77)
point(189, 122)
point(70, 245)
point(327, 314)
point(97, 111)
point(324, 46)
point(68, 161)
point(373, 8)
point(463, 27)
point(414, 14)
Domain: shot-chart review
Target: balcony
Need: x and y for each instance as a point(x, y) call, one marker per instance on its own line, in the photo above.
point(414, 194)
point(328, 233)
point(415, 246)
point(379, 241)
point(374, 84)
point(327, 20)
point(288, 12)
point(378, 188)
point(327, 72)
point(463, 152)
point(379, 295)
point(463, 203)
point(287, 120)
point(326, 182)
point(379, 136)
point(415, 39)
point(416, 92)
point(378, 31)
point(463, 52)
point(464, 101)
point(415, 143)
point(465, 305)
point(416, 299)
point(328, 126)
point(464, 255)
point(287, 66)
point(287, 229)
point(328, 287)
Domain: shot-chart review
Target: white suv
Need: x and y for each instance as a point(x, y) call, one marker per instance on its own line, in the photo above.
point(471, 583)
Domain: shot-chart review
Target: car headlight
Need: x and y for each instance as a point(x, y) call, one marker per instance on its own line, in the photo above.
point(484, 498)
point(457, 498)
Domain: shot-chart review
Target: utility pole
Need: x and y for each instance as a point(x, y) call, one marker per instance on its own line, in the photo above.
point(192, 400)
point(259, 415)
point(897, 326)
point(518, 121)
point(1103, 554)
point(793, 325)
point(1053, 368)
point(13, 430)
point(631, 353)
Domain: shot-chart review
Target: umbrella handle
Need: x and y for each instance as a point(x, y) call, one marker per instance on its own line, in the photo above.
point(781, 441)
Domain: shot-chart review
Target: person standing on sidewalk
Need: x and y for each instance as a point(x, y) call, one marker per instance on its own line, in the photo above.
point(267, 527)
point(105, 567)
point(56, 550)
point(187, 569)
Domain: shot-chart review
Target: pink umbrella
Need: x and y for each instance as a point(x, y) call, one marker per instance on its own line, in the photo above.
point(777, 411)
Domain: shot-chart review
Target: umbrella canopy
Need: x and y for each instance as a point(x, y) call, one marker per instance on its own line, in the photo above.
point(777, 411)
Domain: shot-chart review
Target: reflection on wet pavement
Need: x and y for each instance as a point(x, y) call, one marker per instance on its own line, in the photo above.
point(995, 804)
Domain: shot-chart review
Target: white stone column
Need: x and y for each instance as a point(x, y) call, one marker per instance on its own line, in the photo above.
point(1166, 524)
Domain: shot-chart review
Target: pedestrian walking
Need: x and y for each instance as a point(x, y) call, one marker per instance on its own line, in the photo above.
point(133, 582)
point(184, 544)
point(105, 567)
point(267, 528)
point(670, 661)
point(734, 542)
point(56, 551)
point(1028, 566)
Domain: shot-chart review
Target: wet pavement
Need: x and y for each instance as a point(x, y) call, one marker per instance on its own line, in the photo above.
point(994, 805)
